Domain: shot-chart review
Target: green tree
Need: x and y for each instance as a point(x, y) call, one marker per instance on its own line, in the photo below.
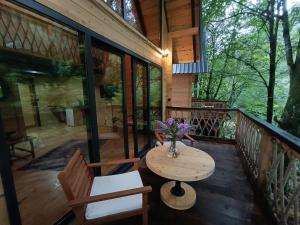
point(290, 120)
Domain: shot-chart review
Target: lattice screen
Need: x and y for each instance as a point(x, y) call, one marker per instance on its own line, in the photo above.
point(28, 34)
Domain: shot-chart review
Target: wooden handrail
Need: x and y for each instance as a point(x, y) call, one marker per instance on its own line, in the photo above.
point(207, 100)
point(287, 138)
point(135, 161)
point(202, 109)
point(271, 154)
point(103, 197)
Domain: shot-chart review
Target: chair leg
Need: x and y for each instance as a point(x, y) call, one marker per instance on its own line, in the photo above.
point(32, 149)
point(145, 217)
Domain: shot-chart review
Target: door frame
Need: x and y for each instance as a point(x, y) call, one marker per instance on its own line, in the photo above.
point(161, 96)
point(95, 43)
point(139, 152)
point(88, 35)
point(8, 181)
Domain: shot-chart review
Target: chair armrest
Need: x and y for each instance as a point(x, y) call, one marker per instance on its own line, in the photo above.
point(159, 138)
point(190, 138)
point(115, 162)
point(118, 194)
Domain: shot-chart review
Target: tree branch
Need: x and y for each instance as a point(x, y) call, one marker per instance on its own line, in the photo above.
point(252, 67)
point(286, 35)
point(256, 11)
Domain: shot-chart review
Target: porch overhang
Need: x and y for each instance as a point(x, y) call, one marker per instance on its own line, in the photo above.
point(190, 68)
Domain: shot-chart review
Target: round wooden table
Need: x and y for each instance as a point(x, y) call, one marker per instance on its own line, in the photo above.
point(191, 165)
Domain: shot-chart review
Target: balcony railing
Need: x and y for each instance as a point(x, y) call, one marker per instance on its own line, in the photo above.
point(270, 154)
point(197, 102)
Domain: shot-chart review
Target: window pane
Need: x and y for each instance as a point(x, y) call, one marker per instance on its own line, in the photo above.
point(141, 105)
point(109, 103)
point(3, 209)
point(116, 5)
point(131, 15)
point(43, 107)
point(155, 95)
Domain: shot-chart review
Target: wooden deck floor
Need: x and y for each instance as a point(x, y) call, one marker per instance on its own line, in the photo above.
point(226, 198)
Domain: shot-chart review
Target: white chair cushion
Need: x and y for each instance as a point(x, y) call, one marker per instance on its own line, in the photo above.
point(168, 143)
point(157, 144)
point(113, 183)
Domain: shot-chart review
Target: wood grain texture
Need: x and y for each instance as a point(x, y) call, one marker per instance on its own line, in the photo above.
point(180, 203)
point(191, 164)
point(76, 180)
point(225, 198)
point(182, 90)
point(99, 17)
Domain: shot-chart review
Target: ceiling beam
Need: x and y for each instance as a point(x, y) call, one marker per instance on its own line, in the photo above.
point(184, 32)
point(166, 15)
point(193, 25)
point(141, 18)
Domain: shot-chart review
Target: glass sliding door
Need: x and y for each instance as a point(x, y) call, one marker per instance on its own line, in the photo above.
point(155, 86)
point(43, 103)
point(140, 106)
point(109, 94)
point(3, 209)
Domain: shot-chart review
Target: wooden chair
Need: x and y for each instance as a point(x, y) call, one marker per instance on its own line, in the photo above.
point(101, 199)
point(160, 137)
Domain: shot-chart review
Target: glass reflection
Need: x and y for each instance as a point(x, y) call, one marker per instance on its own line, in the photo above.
point(43, 108)
point(155, 96)
point(141, 105)
point(3, 209)
point(109, 104)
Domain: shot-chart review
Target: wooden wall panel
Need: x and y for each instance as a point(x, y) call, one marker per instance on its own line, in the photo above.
point(183, 50)
point(167, 66)
point(179, 14)
point(99, 17)
point(151, 12)
point(182, 90)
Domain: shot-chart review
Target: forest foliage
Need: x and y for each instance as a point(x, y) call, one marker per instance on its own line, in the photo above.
point(238, 52)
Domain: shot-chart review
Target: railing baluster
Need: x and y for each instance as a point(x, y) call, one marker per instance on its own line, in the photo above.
point(273, 161)
point(281, 188)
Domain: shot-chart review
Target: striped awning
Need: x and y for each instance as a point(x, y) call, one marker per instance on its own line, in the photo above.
point(190, 68)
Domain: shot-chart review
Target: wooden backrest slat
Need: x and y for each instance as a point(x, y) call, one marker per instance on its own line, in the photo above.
point(75, 172)
point(76, 178)
point(66, 187)
point(81, 179)
point(73, 161)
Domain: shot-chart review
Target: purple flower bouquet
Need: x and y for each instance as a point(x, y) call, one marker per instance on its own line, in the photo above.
point(175, 131)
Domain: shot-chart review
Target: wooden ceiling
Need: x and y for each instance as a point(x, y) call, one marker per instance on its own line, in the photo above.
point(181, 15)
point(150, 10)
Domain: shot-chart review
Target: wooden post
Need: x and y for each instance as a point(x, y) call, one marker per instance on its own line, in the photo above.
point(145, 208)
point(238, 122)
point(169, 71)
point(265, 159)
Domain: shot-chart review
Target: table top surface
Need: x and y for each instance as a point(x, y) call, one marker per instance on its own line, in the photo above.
point(191, 165)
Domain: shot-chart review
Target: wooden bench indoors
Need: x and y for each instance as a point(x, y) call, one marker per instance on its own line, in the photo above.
point(101, 199)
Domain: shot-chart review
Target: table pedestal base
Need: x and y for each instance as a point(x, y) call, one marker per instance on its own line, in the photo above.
point(183, 200)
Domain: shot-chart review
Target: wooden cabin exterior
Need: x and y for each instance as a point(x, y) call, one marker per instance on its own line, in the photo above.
point(73, 64)
point(95, 75)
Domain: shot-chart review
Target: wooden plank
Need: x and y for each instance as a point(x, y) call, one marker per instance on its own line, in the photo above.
point(97, 16)
point(181, 92)
point(184, 32)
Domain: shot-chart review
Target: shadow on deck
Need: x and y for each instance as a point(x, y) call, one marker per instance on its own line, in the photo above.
point(225, 198)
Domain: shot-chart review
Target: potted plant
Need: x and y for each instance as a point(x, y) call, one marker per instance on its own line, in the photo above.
point(175, 131)
point(114, 121)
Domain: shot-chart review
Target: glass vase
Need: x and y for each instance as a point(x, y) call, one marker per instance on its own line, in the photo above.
point(173, 151)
